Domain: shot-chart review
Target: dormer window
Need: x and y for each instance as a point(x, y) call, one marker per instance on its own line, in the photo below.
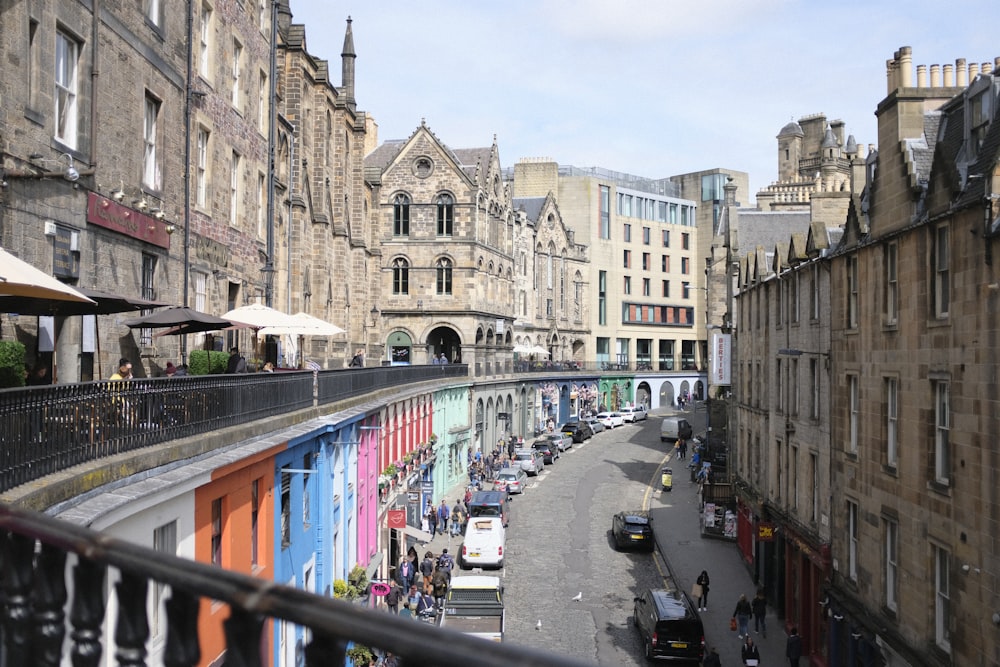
point(979, 113)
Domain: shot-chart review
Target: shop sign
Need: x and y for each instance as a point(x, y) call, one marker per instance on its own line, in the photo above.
point(396, 519)
point(109, 214)
point(765, 531)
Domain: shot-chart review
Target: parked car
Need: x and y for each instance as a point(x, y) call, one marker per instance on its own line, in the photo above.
point(633, 529)
point(636, 413)
point(610, 419)
point(675, 428)
point(547, 448)
point(485, 539)
point(530, 461)
point(595, 424)
point(490, 503)
point(668, 625)
point(560, 439)
point(578, 431)
point(513, 480)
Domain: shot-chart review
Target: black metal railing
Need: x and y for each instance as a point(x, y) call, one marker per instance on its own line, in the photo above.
point(35, 599)
point(44, 430)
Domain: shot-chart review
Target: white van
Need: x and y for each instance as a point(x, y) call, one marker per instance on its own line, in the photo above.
point(485, 540)
point(674, 428)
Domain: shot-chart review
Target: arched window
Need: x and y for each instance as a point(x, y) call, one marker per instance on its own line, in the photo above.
point(400, 276)
point(401, 215)
point(443, 267)
point(445, 215)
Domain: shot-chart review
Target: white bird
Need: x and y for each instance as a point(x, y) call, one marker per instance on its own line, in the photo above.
point(578, 597)
point(538, 626)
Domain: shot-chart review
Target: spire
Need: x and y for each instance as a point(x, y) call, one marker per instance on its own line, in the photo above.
point(347, 65)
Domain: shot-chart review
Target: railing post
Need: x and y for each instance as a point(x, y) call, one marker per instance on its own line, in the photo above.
point(87, 612)
point(132, 629)
point(48, 601)
point(17, 554)
point(182, 649)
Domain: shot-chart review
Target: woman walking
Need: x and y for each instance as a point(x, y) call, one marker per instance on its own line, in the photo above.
point(703, 581)
point(742, 615)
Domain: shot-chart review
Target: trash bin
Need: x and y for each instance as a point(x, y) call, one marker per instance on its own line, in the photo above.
point(667, 478)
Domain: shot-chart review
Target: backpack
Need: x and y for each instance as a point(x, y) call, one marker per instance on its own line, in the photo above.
point(445, 562)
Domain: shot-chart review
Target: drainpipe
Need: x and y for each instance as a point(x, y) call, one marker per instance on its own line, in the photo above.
point(188, 90)
point(271, 128)
point(94, 74)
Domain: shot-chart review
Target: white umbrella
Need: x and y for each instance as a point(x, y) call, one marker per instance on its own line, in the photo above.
point(539, 350)
point(303, 324)
point(259, 316)
point(522, 349)
point(18, 278)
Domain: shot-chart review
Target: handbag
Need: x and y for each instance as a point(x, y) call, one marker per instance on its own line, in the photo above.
point(732, 624)
point(696, 591)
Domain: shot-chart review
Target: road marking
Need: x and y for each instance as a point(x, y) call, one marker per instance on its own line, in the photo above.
point(657, 557)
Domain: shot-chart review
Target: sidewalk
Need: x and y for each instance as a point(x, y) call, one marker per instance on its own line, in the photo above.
point(688, 553)
point(440, 542)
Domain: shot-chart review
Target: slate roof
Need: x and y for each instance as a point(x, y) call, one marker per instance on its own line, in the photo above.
point(768, 228)
point(384, 154)
point(532, 206)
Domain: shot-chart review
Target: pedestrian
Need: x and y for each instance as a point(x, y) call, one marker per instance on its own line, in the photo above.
point(443, 515)
point(793, 648)
point(759, 606)
point(170, 370)
point(456, 518)
point(392, 597)
point(439, 580)
point(39, 376)
point(742, 615)
point(358, 360)
point(405, 573)
point(712, 658)
point(443, 360)
point(237, 363)
point(432, 520)
point(446, 563)
point(427, 565)
point(124, 371)
point(412, 597)
point(703, 581)
point(750, 654)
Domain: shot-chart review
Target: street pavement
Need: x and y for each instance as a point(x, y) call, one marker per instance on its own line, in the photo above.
point(679, 535)
point(676, 523)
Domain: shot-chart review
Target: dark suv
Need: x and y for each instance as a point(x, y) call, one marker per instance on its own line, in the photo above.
point(577, 430)
point(547, 449)
point(669, 627)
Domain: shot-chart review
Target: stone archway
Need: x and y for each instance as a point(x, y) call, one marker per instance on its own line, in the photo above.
point(667, 395)
point(445, 339)
point(643, 395)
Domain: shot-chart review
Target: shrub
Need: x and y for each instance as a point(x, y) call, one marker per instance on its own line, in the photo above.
point(207, 362)
point(11, 363)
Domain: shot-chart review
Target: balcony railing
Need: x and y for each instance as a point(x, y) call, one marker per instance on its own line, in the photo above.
point(33, 552)
point(44, 430)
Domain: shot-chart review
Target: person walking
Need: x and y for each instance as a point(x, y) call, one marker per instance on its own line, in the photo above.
point(432, 519)
point(405, 573)
point(742, 615)
point(703, 581)
point(446, 564)
point(793, 647)
point(749, 653)
point(392, 597)
point(427, 566)
point(456, 519)
point(442, 516)
point(759, 607)
point(439, 581)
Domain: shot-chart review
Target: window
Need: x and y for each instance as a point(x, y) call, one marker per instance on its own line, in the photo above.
point(255, 522)
point(443, 267)
point(261, 206)
point(645, 287)
point(400, 276)
point(445, 215)
point(794, 297)
point(234, 187)
point(67, 54)
point(262, 14)
point(204, 37)
point(891, 563)
point(814, 384)
point(645, 235)
point(401, 215)
point(891, 284)
point(664, 263)
point(666, 288)
point(602, 297)
point(685, 241)
point(164, 542)
point(852, 292)
point(627, 233)
point(814, 485)
point(605, 212)
point(686, 265)
point(853, 406)
point(647, 261)
point(306, 466)
point(793, 388)
point(627, 263)
point(666, 238)
point(148, 292)
point(814, 301)
point(263, 98)
point(217, 532)
point(151, 8)
point(685, 290)
point(627, 287)
point(286, 507)
point(150, 163)
point(942, 284)
point(200, 291)
point(942, 598)
point(33, 65)
point(942, 426)
point(237, 65)
point(201, 168)
point(891, 422)
point(793, 475)
point(852, 540)
point(979, 116)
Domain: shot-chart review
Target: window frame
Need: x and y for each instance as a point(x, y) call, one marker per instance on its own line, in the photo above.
point(853, 530)
point(891, 565)
point(942, 598)
point(400, 276)
point(236, 72)
point(401, 214)
point(203, 137)
point(235, 167)
point(942, 432)
point(445, 214)
point(941, 271)
point(892, 284)
point(152, 175)
point(892, 422)
point(205, 41)
point(67, 88)
point(853, 407)
point(444, 268)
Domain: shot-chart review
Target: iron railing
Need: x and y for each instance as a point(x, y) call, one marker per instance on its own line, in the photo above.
point(35, 597)
point(44, 430)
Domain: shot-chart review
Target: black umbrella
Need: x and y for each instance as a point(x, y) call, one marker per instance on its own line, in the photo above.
point(104, 303)
point(186, 320)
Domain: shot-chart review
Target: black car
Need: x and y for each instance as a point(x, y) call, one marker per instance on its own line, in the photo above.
point(669, 627)
point(577, 430)
point(548, 450)
point(633, 530)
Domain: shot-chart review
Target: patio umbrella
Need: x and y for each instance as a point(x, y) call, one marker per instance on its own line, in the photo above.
point(100, 303)
point(181, 319)
point(18, 278)
point(303, 324)
point(259, 316)
point(522, 349)
point(539, 350)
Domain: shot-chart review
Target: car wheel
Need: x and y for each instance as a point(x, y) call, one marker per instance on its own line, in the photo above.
point(649, 650)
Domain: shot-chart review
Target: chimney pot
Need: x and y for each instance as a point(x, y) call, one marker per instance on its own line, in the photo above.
point(921, 76)
point(973, 73)
point(935, 76)
point(960, 70)
point(906, 67)
point(949, 75)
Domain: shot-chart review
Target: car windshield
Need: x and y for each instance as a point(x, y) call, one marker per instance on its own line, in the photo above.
point(507, 476)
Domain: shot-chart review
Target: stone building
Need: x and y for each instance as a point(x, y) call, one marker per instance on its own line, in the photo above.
point(445, 227)
point(913, 351)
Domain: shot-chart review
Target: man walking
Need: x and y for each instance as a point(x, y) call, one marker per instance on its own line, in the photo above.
point(759, 606)
point(793, 648)
point(442, 516)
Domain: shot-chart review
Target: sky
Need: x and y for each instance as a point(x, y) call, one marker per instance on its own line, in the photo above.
point(653, 88)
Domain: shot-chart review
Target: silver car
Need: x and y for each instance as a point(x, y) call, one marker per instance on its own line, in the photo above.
point(512, 479)
point(595, 425)
point(530, 460)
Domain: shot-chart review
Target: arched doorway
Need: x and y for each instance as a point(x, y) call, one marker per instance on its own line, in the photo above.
point(667, 396)
point(445, 339)
point(400, 348)
point(642, 395)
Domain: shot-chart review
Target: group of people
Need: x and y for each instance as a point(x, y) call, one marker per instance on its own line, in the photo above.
point(439, 360)
point(420, 586)
point(443, 519)
point(740, 622)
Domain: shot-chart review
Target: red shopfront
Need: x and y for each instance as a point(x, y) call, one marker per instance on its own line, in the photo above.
point(807, 568)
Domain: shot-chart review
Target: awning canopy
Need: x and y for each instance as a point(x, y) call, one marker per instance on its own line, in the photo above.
point(183, 320)
point(20, 279)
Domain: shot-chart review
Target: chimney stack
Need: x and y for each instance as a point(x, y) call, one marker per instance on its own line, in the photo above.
point(961, 70)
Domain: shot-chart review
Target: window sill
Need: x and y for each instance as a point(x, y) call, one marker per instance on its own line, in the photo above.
point(36, 117)
point(939, 487)
point(890, 470)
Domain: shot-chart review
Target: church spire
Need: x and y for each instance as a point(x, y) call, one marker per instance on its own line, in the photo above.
point(347, 65)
